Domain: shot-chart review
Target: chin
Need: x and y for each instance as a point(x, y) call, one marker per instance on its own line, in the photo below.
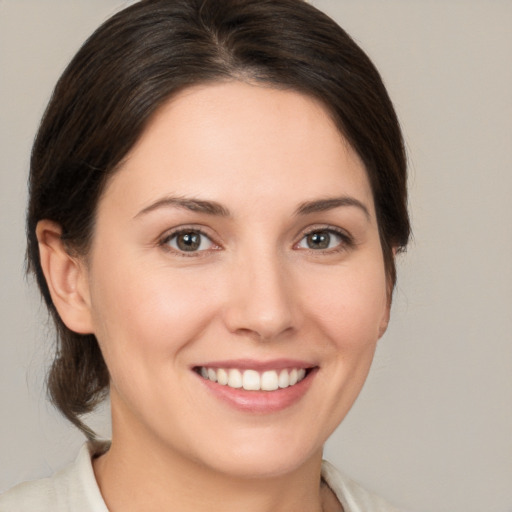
point(263, 466)
point(263, 454)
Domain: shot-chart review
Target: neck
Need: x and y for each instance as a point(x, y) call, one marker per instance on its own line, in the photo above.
point(161, 479)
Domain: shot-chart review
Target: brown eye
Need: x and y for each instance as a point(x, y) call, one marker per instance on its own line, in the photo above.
point(189, 241)
point(319, 240)
point(323, 239)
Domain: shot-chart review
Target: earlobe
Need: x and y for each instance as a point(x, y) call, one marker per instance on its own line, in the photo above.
point(66, 278)
point(385, 322)
point(390, 284)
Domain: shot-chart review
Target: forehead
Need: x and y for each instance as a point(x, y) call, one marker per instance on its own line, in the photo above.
point(233, 140)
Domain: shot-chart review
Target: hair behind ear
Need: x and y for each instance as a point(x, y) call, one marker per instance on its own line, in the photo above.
point(78, 379)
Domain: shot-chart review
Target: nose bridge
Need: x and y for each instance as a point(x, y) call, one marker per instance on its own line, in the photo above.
point(260, 296)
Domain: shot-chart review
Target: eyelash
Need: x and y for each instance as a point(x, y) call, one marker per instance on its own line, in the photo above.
point(166, 239)
point(346, 240)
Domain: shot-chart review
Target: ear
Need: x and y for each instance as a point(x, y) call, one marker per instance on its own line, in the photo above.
point(66, 277)
point(385, 319)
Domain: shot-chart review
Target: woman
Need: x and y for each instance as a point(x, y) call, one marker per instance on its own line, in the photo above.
point(217, 194)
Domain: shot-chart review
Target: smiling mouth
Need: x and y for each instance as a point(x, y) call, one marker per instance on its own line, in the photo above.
point(253, 380)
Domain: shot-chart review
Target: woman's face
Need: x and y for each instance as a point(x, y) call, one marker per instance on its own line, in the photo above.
point(238, 242)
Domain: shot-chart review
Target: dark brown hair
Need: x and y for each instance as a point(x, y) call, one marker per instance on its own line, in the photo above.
point(134, 63)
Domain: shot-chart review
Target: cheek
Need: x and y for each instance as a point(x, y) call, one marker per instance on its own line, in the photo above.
point(146, 313)
point(351, 305)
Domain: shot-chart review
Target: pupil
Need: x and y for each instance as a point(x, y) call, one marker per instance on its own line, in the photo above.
point(319, 240)
point(189, 241)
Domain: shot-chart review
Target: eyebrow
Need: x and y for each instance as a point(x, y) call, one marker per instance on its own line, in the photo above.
point(194, 205)
point(323, 205)
point(214, 208)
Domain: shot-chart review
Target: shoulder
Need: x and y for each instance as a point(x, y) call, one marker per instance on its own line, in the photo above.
point(351, 495)
point(74, 489)
point(37, 495)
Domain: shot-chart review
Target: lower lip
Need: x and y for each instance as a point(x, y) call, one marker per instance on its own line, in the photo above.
point(262, 402)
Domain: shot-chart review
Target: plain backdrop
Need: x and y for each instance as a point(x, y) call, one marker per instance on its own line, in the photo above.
point(432, 429)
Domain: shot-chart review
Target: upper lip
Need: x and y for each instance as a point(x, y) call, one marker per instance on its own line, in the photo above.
point(258, 365)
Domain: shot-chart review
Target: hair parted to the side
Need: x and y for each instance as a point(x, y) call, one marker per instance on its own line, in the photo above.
point(140, 58)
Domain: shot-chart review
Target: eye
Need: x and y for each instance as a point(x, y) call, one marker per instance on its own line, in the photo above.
point(189, 240)
point(323, 240)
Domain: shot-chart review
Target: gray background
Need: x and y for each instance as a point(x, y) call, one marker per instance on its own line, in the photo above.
point(432, 430)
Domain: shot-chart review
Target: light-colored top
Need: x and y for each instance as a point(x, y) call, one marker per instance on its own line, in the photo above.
point(74, 489)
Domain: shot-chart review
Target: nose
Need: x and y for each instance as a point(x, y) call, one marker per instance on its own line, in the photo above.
point(261, 303)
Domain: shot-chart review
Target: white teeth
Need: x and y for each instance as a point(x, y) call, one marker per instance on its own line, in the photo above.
point(269, 381)
point(234, 379)
point(222, 376)
point(252, 380)
point(284, 379)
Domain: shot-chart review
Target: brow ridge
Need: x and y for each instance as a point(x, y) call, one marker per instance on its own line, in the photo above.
point(195, 205)
point(214, 208)
point(322, 205)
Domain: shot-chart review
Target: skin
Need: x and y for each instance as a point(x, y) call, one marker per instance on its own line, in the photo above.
point(255, 290)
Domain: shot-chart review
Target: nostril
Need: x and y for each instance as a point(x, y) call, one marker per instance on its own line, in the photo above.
point(264, 335)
